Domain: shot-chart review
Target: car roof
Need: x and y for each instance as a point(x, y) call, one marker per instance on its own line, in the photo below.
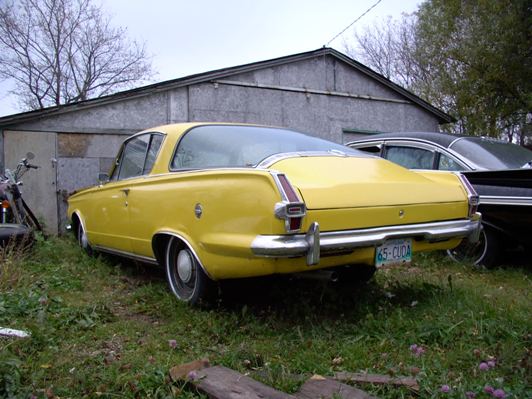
point(443, 139)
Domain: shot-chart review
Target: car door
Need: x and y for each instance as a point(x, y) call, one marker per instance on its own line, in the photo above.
point(111, 201)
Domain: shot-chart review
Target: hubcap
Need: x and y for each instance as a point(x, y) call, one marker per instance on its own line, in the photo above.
point(468, 252)
point(185, 266)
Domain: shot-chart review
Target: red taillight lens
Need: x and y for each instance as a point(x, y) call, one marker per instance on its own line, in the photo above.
point(295, 224)
point(5, 204)
point(287, 189)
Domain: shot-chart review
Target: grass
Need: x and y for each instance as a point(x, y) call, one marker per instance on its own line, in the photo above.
point(101, 328)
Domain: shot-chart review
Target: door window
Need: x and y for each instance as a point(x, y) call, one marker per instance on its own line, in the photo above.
point(137, 156)
point(411, 158)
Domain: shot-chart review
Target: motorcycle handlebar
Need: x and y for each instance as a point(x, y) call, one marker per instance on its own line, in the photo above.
point(29, 165)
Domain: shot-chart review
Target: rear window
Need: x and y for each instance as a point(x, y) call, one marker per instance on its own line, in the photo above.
point(492, 154)
point(243, 146)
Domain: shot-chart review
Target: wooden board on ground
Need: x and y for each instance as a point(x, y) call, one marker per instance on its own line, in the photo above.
point(377, 379)
point(182, 371)
point(222, 383)
point(319, 387)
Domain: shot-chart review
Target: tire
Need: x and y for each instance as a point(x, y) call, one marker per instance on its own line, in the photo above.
point(15, 234)
point(83, 240)
point(485, 252)
point(356, 274)
point(185, 276)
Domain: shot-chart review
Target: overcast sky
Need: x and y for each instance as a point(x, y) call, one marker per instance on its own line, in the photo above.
point(188, 37)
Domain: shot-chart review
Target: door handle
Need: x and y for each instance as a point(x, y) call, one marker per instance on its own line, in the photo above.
point(125, 191)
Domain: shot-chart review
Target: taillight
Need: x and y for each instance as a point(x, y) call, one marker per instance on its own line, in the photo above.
point(291, 209)
point(5, 204)
point(472, 196)
point(287, 190)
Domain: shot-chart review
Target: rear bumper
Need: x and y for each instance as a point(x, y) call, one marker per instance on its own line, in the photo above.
point(313, 242)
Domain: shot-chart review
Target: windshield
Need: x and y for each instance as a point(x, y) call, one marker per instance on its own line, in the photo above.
point(492, 154)
point(243, 146)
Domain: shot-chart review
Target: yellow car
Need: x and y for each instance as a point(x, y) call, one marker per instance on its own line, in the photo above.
point(219, 201)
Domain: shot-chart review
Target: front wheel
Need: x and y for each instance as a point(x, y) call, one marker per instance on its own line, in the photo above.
point(186, 278)
point(83, 241)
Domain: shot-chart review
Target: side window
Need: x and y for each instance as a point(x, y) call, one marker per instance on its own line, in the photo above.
point(411, 158)
point(153, 150)
point(198, 149)
point(137, 156)
point(447, 163)
point(133, 157)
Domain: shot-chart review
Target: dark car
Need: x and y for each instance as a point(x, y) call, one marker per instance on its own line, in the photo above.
point(499, 171)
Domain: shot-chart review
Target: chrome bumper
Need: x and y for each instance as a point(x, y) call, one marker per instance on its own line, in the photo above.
point(313, 242)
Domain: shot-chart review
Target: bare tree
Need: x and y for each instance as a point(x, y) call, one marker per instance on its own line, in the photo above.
point(387, 48)
point(63, 51)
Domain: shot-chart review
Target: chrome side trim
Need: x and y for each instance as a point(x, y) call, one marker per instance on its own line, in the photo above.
point(505, 200)
point(269, 161)
point(125, 254)
point(313, 242)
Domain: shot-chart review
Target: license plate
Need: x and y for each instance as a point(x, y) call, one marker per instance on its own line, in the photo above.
point(394, 252)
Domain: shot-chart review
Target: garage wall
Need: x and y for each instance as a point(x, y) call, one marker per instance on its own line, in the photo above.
point(323, 115)
point(321, 95)
point(127, 116)
point(80, 159)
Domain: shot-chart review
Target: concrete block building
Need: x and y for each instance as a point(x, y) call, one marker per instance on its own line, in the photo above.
point(322, 92)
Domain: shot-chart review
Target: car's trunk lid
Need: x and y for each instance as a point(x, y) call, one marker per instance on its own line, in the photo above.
point(332, 182)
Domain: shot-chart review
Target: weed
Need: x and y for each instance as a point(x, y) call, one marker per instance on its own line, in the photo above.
point(103, 327)
point(12, 255)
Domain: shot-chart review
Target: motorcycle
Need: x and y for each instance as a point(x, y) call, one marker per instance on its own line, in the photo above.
point(17, 221)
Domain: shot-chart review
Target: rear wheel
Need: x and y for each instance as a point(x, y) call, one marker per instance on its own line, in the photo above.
point(187, 280)
point(83, 241)
point(485, 252)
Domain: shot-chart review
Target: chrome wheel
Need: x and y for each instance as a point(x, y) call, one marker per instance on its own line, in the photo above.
point(83, 239)
point(482, 253)
point(187, 280)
